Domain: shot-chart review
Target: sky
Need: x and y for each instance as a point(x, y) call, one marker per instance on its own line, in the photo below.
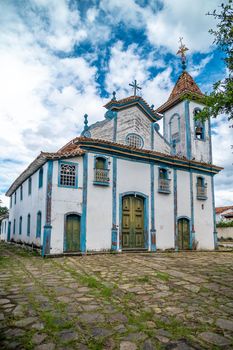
point(60, 59)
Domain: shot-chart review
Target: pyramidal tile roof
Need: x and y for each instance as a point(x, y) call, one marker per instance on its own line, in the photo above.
point(184, 85)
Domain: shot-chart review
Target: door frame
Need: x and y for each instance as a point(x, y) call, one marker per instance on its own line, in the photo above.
point(145, 212)
point(64, 234)
point(190, 230)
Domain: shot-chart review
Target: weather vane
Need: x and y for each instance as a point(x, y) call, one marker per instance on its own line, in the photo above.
point(181, 52)
point(135, 87)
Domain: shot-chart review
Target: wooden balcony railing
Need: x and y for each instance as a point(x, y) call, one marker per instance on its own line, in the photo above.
point(101, 176)
point(164, 186)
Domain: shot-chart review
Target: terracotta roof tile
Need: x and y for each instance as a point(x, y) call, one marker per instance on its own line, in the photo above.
point(220, 210)
point(184, 85)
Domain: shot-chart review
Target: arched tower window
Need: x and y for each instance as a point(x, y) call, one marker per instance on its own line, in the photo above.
point(199, 128)
point(174, 128)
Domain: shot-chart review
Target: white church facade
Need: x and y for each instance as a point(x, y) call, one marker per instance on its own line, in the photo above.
point(122, 185)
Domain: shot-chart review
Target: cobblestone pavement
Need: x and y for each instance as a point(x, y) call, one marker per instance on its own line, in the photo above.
point(132, 301)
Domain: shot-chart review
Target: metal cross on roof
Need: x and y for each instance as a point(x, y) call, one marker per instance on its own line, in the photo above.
point(181, 52)
point(135, 87)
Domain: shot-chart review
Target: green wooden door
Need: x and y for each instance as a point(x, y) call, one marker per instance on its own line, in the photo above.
point(72, 233)
point(183, 234)
point(132, 222)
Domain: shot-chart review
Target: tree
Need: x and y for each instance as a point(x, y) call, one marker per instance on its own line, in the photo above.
point(220, 100)
point(3, 210)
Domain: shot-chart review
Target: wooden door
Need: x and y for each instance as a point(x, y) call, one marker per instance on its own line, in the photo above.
point(72, 233)
point(132, 222)
point(183, 234)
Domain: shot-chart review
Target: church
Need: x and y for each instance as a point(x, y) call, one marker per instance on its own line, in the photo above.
point(122, 185)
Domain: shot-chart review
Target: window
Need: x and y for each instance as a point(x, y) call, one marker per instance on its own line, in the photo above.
point(164, 181)
point(201, 188)
point(11, 202)
point(28, 224)
point(29, 185)
point(40, 178)
point(101, 171)
point(15, 197)
point(199, 129)
point(20, 225)
point(14, 227)
point(134, 140)
point(21, 192)
point(38, 225)
point(68, 174)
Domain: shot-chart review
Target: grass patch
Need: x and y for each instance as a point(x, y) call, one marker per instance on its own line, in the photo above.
point(144, 279)
point(163, 276)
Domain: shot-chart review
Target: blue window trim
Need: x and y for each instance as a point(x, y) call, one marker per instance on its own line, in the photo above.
point(41, 178)
point(59, 172)
point(29, 186)
point(15, 196)
point(11, 201)
point(38, 224)
point(102, 157)
point(20, 225)
point(28, 225)
point(170, 123)
point(197, 109)
point(134, 134)
point(21, 192)
point(14, 223)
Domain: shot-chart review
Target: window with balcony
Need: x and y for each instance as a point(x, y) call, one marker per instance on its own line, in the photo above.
point(164, 181)
point(201, 188)
point(101, 171)
point(68, 174)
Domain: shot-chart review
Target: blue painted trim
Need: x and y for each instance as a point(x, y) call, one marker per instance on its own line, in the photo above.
point(21, 192)
point(210, 142)
point(214, 215)
point(188, 130)
point(192, 231)
point(152, 242)
point(142, 106)
point(152, 135)
point(146, 215)
point(9, 231)
point(84, 204)
point(40, 178)
point(148, 158)
point(64, 235)
point(15, 196)
point(98, 183)
point(28, 225)
point(175, 208)
point(29, 186)
point(115, 127)
point(170, 131)
point(20, 225)
point(46, 240)
point(134, 134)
point(38, 224)
point(114, 205)
point(14, 223)
point(59, 173)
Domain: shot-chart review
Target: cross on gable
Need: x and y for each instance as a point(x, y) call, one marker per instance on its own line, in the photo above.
point(135, 87)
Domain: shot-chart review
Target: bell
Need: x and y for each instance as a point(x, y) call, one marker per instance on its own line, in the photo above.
point(198, 131)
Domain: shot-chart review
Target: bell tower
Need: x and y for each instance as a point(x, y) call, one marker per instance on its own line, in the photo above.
point(189, 137)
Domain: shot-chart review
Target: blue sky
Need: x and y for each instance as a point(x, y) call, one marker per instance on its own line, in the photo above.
point(60, 59)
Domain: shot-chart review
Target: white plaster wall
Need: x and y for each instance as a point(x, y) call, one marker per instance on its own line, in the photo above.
point(160, 145)
point(164, 214)
point(183, 194)
point(225, 232)
point(64, 200)
point(203, 217)
point(30, 204)
point(99, 210)
point(4, 228)
point(200, 149)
